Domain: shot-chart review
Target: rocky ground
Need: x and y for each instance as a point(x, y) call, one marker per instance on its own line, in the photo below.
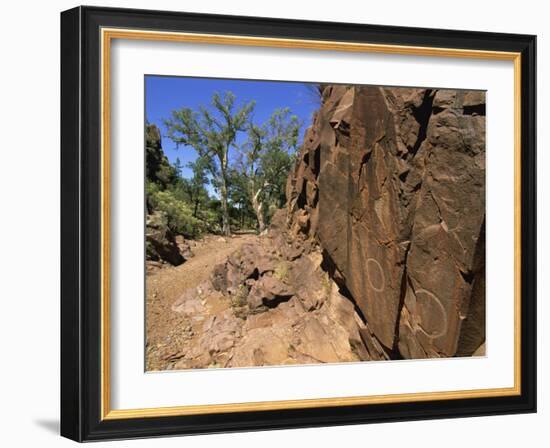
point(165, 283)
point(270, 302)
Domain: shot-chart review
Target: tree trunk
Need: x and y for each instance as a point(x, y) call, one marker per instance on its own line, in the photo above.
point(258, 209)
point(225, 211)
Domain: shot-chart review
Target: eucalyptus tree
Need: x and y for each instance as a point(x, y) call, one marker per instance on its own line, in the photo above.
point(212, 132)
point(266, 159)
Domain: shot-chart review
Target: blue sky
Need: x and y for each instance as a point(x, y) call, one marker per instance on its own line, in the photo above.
point(166, 93)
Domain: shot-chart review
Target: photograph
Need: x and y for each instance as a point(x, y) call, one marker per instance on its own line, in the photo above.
point(272, 223)
point(291, 223)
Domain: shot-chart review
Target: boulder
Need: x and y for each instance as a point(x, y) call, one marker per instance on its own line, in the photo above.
point(250, 261)
point(160, 243)
point(184, 247)
point(268, 291)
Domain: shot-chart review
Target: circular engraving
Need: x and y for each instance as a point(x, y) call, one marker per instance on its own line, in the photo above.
point(431, 296)
point(375, 275)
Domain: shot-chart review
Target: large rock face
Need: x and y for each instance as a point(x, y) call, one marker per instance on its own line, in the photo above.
point(157, 166)
point(391, 183)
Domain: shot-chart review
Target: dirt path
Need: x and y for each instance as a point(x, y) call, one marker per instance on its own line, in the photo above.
point(166, 330)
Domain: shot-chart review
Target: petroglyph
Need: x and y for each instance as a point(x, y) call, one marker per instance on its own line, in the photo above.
point(435, 299)
point(381, 279)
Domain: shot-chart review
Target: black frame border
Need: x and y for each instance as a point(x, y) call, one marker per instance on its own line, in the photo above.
point(81, 223)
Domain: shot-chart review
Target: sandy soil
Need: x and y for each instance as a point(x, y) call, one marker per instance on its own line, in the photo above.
point(166, 330)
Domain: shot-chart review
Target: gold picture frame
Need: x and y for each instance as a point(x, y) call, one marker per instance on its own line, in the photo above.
point(517, 49)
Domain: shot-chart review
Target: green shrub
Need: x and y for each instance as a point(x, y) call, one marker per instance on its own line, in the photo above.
point(179, 215)
point(211, 220)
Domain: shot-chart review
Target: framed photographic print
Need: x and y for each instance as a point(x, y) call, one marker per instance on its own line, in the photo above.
point(276, 224)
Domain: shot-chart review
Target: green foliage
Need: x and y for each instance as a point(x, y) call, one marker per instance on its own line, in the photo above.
point(250, 184)
point(193, 191)
point(267, 157)
point(211, 217)
point(212, 132)
point(183, 203)
point(179, 216)
point(242, 214)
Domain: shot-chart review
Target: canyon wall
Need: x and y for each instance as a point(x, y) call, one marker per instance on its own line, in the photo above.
point(390, 183)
